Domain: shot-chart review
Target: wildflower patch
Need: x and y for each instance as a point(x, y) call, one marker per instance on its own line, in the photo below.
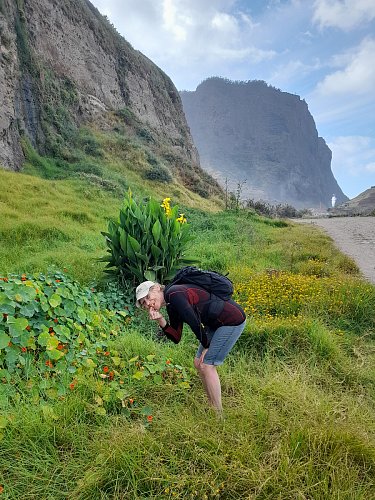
point(344, 303)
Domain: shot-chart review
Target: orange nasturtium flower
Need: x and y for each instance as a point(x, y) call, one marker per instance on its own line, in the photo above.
point(149, 418)
point(23, 349)
point(49, 363)
point(105, 369)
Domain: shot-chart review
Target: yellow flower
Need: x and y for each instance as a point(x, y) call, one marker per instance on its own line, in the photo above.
point(167, 207)
point(182, 219)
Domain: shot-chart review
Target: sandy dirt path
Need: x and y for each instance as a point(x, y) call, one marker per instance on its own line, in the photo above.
point(354, 236)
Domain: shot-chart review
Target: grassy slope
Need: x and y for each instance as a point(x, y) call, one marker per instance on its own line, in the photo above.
point(298, 397)
point(58, 222)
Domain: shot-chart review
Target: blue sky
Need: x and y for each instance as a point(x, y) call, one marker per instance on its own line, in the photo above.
point(321, 50)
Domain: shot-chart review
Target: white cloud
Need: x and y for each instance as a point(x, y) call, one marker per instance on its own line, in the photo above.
point(353, 163)
point(176, 22)
point(358, 76)
point(248, 20)
point(285, 74)
point(343, 14)
point(353, 154)
point(224, 22)
point(188, 37)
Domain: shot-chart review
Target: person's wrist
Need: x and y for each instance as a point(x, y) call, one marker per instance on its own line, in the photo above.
point(162, 322)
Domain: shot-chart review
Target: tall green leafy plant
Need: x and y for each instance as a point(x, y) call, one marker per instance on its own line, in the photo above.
point(147, 241)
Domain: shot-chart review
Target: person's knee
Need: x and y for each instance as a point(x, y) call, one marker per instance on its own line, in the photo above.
point(206, 369)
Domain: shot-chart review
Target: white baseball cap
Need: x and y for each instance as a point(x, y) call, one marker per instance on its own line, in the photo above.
point(142, 290)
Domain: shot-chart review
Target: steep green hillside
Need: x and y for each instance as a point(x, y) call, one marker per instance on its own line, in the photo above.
point(57, 222)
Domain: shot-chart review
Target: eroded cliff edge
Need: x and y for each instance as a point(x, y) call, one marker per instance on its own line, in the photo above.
point(62, 64)
point(249, 130)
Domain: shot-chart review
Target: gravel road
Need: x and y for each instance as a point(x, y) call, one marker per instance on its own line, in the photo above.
point(354, 236)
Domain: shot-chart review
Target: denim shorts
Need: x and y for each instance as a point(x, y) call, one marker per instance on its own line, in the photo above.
point(221, 342)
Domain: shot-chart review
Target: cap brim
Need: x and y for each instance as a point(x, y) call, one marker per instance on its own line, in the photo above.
point(137, 303)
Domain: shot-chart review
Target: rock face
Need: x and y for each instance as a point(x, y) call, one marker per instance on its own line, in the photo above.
point(363, 204)
point(61, 58)
point(253, 132)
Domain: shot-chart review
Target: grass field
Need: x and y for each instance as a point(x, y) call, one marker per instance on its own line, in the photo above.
point(298, 389)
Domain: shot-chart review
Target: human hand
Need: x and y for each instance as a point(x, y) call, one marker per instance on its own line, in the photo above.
point(154, 314)
point(201, 358)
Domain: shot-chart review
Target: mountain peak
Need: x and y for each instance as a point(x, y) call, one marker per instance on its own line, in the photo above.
point(251, 130)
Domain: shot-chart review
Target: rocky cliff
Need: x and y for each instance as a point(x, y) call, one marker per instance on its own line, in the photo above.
point(62, 64)
point(363, 204)
point(253, 132)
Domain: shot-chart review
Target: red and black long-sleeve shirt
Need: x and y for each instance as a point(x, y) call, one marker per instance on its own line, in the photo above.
point(199, 309)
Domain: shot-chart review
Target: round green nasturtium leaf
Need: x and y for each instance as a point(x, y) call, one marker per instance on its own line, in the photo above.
point(52, 343)
point(55, 354)
point(43, 338)
point(69, 307)
point(4, 340)
point(138, 375)
point(27, 310)
point(81, 315)
point(62, 332)
point(55, 300)
point(17, 326)
point(7, 305)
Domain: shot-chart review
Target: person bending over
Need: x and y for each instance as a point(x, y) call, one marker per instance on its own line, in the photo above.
point(216, 323)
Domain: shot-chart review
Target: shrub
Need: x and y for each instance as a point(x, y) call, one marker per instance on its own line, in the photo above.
point(281, 210)
point(144, 133)
point(87, 168)
point(158, 173)
point(126, 115)
point(201, 189)
point(90, 145)
point(146, 242)
point(50, 330)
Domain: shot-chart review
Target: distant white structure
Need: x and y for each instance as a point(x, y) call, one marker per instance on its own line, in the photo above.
point(333, 201)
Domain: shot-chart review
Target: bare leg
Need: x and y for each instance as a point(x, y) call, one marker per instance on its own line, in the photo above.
point(211, 384)
point(197, 364)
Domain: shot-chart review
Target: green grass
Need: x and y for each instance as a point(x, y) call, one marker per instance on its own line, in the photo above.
point(53, 223)
point(298, 392)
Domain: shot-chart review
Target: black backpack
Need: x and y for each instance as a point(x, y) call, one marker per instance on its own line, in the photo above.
point(215, 283)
